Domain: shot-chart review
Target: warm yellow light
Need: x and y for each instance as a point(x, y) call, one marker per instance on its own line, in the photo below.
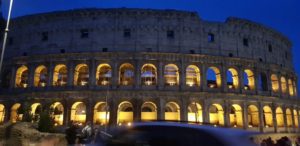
point(128, 124)
point(83, 83)
point(148, 82)
point(267, 126)
point(43, 84)
point(25, 85)
point(234, 126)
point(230, 86)
point(104, 82)
point(250, 126)
point(212, 86)
point(125, 82)
point(120, 124)
point(215, 125)
point(246, 88)
point(190, 84)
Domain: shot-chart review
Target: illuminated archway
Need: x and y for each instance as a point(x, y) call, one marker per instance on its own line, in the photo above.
point(253, 116)
point(149, 111)
point(40, 76)
point(291, 88)
point(275, 83)
point(248, 80)
point(125, 112)
point(171, 74)
point(22, 77)
point(296, 120)
point(289, 119)
point(216, 114)
point(60, 75)
point(232, 78)
point(263, 82)
point(283, 84)
point(236, 116)
point(267, 116)
point(279, 117)
point(2, 113)
point(57, 112)
point(192, 76)
point(81, 75)
point(103, 74)
point(101, 113)
point(172, 111)
point(15, 115)
point(149, 74)
point(78, 113)
point(35, 111)
point(195, 112)
point(213, 76)
point(126, 74)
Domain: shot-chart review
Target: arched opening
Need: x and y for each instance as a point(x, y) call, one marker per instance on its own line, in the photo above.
point(279, 117)
point(60, 75)
point(248, 80)
point(126, 74)
point(213, 76)
point(192, 76)
point(81, 75)
point(283, 84)
point(2, 113)
point(125, 113)
point(263, 82)
point(295, 88)
point(253, 116)
point(149, 74)
point(103, 74)
point(289, 119)
point(22, 77)
point(267, 116)
point(296, 120)
point(78, 113)
point(40, 76)
point(236, 116)
point(216, 114)
point(171, 74)
point(232, 78)
point(15, 114)
point(101, 113)
point(275, 83)
point(291, 88)
point(57, 113)
point(172, 111)
point(195, 112)
point(35, 111)
point(149, 111)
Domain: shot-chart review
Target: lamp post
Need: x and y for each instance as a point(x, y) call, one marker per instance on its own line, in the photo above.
point(5, 37)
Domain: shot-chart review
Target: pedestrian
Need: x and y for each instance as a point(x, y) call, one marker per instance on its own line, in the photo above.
point(71, 133)
point(86, 134)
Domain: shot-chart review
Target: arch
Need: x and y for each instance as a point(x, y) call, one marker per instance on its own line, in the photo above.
point(149, 74)
point(291, 88)
point(40, 76)
point(295, 88)
point(275, 83)
point(249, 80)
point(263, 82)
point(267, 116)
point(289, 118)
point(279, 117)
point(195, 112)
point(283, 84)
point(101, 113)
point(192, 76)
point(253, 116)
point(125, 112)
point(232, 78)
point(15, 115)
point(216, 114)
point(213, 76)
point(103, 74)
point(78, 113)
point(2, 113)
point(60, 75)
point(81, 75)
point(171, 74)
point(22, 77)
point(296, 118)
point(236, 116)
point(149, 111)
point(35, 111)
point(172, 111)
point(57, 113)
point(126, 74)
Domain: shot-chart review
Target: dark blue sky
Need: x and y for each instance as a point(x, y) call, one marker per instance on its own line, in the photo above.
point(282, 15)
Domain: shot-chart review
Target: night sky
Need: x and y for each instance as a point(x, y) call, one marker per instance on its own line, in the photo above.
point(282, 15)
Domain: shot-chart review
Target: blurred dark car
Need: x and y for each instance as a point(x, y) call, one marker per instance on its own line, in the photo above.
point(175, 134)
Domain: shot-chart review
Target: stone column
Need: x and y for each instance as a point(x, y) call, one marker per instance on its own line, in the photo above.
point(50, 74)
point(223, 72)
point(293, 118)
point(182, 75)
point(71, 69)
point(67, 112)
point(274, 118)
point(7, 114)
point(205, 112)
point(284, 118)
point(226, 107)
point(241, 79)
point(137, 104)
point(113, 112)
point(89, 110)
point(115, 74)
point(245, 115)
point(160, 109)
point(161, 79)
point(13, 77)
point(203, 77)
point(92, 73)
point(279, 84)
point(261, 117)
point(31, 73)
point(269, 82)
point(183, 109)
point(137, 76)
point(256, 78)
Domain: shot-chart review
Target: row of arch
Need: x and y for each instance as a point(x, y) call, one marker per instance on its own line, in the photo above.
point(149, 76)
point(149, 111)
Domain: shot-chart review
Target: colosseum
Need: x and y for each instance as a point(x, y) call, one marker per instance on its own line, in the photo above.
point(117, 66)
